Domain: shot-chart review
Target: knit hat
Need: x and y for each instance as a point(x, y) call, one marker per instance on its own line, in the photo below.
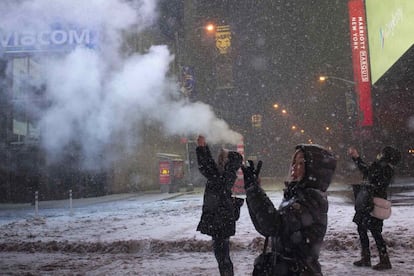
point(390, 155)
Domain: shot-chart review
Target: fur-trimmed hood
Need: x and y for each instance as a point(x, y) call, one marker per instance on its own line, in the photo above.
point(320, 165)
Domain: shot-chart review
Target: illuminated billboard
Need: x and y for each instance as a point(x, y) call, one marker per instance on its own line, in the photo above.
point(55, 38)
point(390, 25)
point(360, 55)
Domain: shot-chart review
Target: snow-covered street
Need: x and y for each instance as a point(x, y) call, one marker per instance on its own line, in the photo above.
point(154, 234)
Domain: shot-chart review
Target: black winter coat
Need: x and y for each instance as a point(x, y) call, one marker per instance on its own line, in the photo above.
point(299, 225)
point(220, 210)
point(378, 176)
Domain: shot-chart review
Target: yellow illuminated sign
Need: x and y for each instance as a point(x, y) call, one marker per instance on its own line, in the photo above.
point(223, 39)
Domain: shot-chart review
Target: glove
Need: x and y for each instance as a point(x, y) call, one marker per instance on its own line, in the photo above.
point(234, 161)
point(251, 175)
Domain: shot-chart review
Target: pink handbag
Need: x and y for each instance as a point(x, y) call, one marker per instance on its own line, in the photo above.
point(382, 208)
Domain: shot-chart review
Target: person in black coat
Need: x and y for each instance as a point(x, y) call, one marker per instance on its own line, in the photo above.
point(220, 210)
point(297, 228)
point(378, 177)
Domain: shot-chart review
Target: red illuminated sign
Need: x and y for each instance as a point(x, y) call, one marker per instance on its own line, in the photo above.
point(165, 177)
point(360, 59)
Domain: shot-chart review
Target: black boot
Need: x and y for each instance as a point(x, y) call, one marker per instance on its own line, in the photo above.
point(384, 262)
point(227, 272)
point(365, 258)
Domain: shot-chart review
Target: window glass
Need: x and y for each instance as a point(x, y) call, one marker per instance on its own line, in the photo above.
point(26, 78)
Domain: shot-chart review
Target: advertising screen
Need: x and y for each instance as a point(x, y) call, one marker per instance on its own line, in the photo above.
point(390, 25)
point(56, 38)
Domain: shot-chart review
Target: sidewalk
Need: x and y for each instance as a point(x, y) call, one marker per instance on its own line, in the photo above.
point(270, 185)
point(153, 195)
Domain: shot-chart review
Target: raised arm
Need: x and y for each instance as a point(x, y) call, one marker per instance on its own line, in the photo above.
point(265, 217)
point(362, 166)
point(206, 164)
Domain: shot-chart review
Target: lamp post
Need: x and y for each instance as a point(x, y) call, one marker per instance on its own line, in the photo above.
point(324, 78)
point(184, 51)
point(348, 95)
point(349, 103)
point(210, 28)
point(190, 186)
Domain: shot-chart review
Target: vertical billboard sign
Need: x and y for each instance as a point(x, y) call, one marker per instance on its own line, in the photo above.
point(360, 60)
point(224, 65)
point(223, 39)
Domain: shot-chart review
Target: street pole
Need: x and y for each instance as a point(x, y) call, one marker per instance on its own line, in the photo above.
point(359, 128)
point(323, 78)
point(190, 186)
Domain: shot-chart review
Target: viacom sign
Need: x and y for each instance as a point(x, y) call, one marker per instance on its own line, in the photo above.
point(46, 41)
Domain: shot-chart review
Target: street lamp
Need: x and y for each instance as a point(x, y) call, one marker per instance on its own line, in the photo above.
point(348, 98)
point(210, 27)
point(325, 78)
point(207, 30)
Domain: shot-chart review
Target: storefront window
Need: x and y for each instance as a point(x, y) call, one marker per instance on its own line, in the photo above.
point(25, 74)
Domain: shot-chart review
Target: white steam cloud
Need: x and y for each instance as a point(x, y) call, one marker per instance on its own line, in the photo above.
point(96, 93)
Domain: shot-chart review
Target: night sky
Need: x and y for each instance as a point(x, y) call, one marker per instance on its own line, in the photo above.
point(279, 50)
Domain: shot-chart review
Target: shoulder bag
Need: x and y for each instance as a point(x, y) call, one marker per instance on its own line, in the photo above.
point(264, 263)
point(382, 208)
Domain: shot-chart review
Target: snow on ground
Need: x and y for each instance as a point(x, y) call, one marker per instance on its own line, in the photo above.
point(154, 234)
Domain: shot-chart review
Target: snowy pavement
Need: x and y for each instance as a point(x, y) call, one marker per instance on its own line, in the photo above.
point(154, 234)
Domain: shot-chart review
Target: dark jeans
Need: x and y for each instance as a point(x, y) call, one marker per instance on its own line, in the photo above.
point(376, 234)
point(221, 248)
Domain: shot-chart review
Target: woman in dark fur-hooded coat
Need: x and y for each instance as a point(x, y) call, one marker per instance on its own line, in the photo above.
point(298, 226)
point(378, 176)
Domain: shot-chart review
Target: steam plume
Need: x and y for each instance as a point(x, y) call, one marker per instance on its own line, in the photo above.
point(97, 92)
